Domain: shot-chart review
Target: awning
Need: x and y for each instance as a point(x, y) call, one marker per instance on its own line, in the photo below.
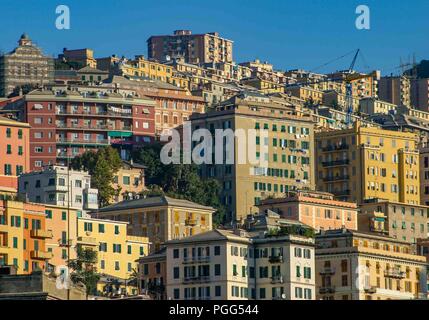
point(119, 134)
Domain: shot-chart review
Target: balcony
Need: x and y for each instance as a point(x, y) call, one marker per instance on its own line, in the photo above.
point(336, 163)
point(65, 242)
point(327, 290)
point(327, 271)
point(41, 234)
point(201, 259)
point(197, 279)
point(394, 273)
point(41, 255)
point(191, 222)
point(342, 193)
point(370, 290)
point(275, 259)
point(332, 148)
point(88, 241)
point(65, 141)
point(336, 178)
point(277, 280)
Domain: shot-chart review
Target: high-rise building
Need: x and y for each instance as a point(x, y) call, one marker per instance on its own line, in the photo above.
point(420, 94)
point(194, 48)
point(367, 162)
point(25, 66)
point(283, 156)
point(355, 265)
point(395, 89)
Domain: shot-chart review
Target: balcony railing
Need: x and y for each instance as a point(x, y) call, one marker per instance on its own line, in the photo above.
point(341, 193)
point(327, 289)
point(327, 271)
point(370, 289)
point(41, 234)
point(196, 259)
point(82, 142)
point(277, 280)
point(41, 255)
point(197, 279)
point(336, 178)
point(87, 241)
point(397, 274)
point(336, 163)
point(335, 148)
point(275, 259)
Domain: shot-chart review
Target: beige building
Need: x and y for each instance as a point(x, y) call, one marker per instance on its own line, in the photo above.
point(160, 218)
point(194, 48)
point(354, 265)
point(283, 157)
point(318, 210)
point(395, 89)
point(370, 106)
point(130, 180)
point(81, 57)
point(367, 162)
point(236, 265)
point(405, 222)
point(424, 175)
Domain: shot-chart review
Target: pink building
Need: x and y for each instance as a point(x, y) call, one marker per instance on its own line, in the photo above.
point(316, 209)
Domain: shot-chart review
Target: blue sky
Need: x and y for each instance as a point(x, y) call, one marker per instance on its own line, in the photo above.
point(289, 34)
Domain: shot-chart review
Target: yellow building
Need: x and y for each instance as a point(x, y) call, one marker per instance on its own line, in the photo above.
point(353, 265)
point(366, 163)
point(160, 218)
point(264, 86)
point(117, 250)
point(130, 180)
point(306, 93)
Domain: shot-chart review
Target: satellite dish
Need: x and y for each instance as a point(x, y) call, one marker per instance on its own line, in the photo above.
point(284, 296)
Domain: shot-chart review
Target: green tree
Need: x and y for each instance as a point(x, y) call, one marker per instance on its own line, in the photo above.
point(84, 271)
point(102, 166)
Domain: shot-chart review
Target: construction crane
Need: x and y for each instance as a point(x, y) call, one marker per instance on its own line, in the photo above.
point(349, 78)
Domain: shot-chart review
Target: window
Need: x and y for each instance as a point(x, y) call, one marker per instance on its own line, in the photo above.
point(217, 251)
point(8, 133)
point(64, 216)
point(126, 181)
point(48, 214)
point(116, 229)
point(177, 294)
point(176, 254)
point(218, 291)
point(117, 266)
point(129, 249)
point(176, 272)
point(87, 227)
point(101, 228)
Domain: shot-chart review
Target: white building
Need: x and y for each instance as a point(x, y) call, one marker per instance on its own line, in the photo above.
point(52, 186)
point(240, 265)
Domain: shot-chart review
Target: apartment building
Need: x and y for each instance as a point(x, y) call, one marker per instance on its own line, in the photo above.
point(153, 273)
point(236, 265)
point(194, 48)
point(283, 159)
point(263, 86)
point(334, 98)
point(25, 65)
point(318, 210)
point(420, 94)
point(59, 186)
point(66, 121)
point(117, 251)
point(130, 180)
point(367, 162)
point(23, 236)
point(160, 218)
point(14, 158)
point(395, 89)
point(405, 222)
point(424, 175)
point(80, 58)
point(354, 265)
point(173, 105)
point(306, 93)
point(370, 106)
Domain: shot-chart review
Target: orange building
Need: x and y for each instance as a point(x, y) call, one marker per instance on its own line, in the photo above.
point(14, 153)
point(316, 209)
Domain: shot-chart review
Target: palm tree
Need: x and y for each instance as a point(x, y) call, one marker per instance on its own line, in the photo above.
point(134, 278)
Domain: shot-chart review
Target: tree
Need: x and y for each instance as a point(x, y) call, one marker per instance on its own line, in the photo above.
point(84, 270)
point(180, 181)
point(102, 166)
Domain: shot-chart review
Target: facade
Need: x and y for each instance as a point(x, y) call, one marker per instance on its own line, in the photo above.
point(117, 251)
point(367, 162)
point(234, 265)
point(420, 94)
point(66, 121)
point(130, 180)
point(26, 65)
point(372, 106)
point(405, 222)
point(22, 236)
point(424, 175)
point(153, 272)
point(14, 159)
point(59, 186)
point(316, 209)
point(353, 265)
point(160, 218)
point(283, 158)
point(395, 89)
point(173, 105)
point(92, 75)
point(306, 93)
point(194, 48)
point(81, 57)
